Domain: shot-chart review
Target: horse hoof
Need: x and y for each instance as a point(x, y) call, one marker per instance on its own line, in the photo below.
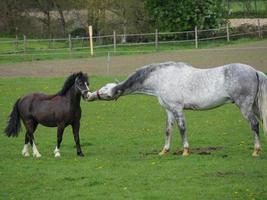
point(37, 155)
point(163, 152)
point(80, 154)
point(256, 152)
point(185, 152)
point(25, 154)
point(57, 155)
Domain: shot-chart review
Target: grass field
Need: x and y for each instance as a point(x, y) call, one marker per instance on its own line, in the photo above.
point(121, 141)
point(256, 8)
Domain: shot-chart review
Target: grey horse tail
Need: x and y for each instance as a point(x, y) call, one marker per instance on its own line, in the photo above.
point(13, 125)
point(262, 99)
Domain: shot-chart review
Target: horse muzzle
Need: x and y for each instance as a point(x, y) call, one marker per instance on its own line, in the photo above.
point(90, 96)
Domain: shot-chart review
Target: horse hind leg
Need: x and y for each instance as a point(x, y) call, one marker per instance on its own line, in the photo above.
point(35, 151)
point(31, 126)
point(168, 136)
point(249, 114)
point(25, 151)
point(255, 128)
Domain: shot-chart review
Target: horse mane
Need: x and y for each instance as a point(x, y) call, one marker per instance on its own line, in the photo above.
point(69, 82)
point(139, 76)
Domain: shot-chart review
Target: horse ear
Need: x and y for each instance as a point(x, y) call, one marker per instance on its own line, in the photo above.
point(77, 78)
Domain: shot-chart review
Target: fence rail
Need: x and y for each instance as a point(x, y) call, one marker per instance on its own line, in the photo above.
point(156, 39)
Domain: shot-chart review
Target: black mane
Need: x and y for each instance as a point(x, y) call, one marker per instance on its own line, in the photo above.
point(70, 81)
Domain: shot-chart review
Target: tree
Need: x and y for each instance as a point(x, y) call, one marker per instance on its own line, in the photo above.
point(59, 7)
point(11, 15)
point(45, 6)
point(129, 16)
point(183, 15)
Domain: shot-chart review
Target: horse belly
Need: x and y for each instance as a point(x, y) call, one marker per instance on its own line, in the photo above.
point(50, 116)
point(207, 103)
point(48, 120)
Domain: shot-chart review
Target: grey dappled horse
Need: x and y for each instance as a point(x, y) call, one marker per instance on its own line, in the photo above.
point(179, 86)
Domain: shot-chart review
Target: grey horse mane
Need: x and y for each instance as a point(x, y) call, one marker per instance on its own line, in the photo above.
point(139, 76)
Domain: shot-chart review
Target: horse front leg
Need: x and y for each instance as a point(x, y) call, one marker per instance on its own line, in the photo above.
point(181, 124)
point(168, 136)
point(60, 130)
point(75, 130)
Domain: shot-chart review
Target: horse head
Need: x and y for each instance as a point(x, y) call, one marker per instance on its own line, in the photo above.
point(108, 92)
point(82, 84)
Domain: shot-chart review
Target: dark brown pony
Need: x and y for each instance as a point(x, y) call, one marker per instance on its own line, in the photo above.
point(58, 110)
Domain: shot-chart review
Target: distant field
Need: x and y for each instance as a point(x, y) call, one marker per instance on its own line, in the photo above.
point(249, 52)
point(43, 50)
point(121, 141)
point(254, 9)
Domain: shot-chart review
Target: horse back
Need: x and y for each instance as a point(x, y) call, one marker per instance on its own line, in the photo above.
point(45, 109)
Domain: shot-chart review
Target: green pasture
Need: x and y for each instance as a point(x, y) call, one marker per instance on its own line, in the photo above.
point(121, 140)
point(254, 9)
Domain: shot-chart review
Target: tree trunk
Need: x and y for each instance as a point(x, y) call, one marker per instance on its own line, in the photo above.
point(62, 19)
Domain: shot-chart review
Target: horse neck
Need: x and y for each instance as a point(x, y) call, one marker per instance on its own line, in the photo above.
point(143, 87)
point(73, 95)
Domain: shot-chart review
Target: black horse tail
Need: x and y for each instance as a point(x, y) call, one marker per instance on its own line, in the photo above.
point(13, 126)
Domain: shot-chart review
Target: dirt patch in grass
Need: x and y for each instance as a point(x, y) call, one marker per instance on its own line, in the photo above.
point(197, 150)
point(200, 150)
point(225, 174)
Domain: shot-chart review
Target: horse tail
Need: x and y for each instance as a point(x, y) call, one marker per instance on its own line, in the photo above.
point(262, 99)
point(13, 126)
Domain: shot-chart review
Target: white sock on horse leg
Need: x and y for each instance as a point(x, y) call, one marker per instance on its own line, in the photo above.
point(57, 152)
point(25, 150)
point(35, 151)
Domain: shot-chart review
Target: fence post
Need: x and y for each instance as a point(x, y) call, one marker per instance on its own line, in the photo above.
point(53, 43)
point(70, 44)
point(24, 43)
point(49, 41)
point(16, 41)
point(259, 28)
point(227, 32)
point(108, 64)
point(156, 39)
point(82, 41)
point(114, 41)
point(91, 40)
point(196, 37)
